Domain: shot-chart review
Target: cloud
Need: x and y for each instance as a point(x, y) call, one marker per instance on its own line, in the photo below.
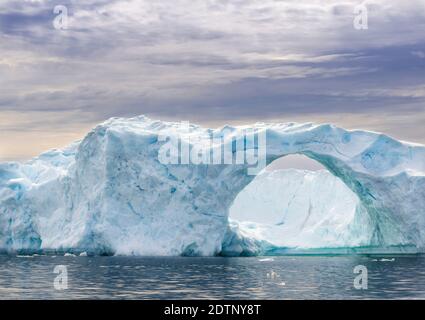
point(210, 61)
point(419, 54)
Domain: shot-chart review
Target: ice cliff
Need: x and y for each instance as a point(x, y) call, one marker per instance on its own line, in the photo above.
point(111, 194)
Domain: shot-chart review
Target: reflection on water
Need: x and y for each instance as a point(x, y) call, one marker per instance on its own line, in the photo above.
point(298, 277)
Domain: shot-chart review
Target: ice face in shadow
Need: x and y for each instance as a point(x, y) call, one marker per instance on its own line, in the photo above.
point(301, 209)
point(110, 194)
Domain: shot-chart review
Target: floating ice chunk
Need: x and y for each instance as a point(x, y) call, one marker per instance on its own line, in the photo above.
point(69, 255)
point(266, 260)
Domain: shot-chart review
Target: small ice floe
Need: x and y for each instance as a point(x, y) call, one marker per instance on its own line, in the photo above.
point(266, 259)
point(282, 284)
point(272, 275)
point(22, 256)
point(384, 260)
point(69, 255)
point(83, 254)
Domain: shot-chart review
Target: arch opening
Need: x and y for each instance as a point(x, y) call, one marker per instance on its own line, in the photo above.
point(298, 205)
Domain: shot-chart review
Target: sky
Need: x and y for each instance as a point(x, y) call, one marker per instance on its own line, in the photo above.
point(211, 62)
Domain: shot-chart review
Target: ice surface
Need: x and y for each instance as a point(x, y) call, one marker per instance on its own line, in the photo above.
point(109, 193)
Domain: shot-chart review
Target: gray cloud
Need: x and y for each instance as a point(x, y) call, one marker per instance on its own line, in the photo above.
point(213, 61)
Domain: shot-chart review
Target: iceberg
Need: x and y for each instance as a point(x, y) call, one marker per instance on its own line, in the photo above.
point(112, 194)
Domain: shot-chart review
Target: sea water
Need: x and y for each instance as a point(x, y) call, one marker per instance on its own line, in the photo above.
point(284, 277)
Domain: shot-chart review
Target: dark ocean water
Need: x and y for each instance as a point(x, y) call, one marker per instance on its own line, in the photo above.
point(285, 277)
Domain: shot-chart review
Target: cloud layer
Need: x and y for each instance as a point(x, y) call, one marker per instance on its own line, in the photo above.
point(210, 61)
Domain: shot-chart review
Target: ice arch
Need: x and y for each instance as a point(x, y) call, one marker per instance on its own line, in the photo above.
point(111, 193)
point(387, 175)
point(297, 210)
